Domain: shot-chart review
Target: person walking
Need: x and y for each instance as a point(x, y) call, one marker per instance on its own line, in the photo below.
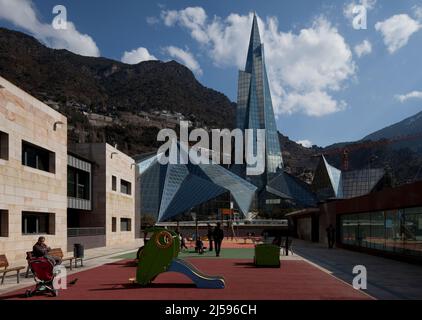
point(331, 236)
point(218, 236)
point(210, 236)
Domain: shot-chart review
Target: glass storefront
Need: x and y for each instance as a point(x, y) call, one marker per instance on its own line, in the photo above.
point(398, 231)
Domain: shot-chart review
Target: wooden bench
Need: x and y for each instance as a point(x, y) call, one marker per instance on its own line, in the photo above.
point(56, 252)
point(5, 264)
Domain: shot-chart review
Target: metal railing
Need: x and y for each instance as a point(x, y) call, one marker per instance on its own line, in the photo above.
point(85, 232)
point(254, 222)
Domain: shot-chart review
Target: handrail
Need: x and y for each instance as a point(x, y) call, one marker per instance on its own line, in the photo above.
point(283, 222)
point(83, 232)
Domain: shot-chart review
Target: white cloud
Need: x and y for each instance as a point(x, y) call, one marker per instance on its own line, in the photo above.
point(411, 95)
point(22, 14)
point(305, 143)
point(397, 30)
point(311, 64)
point(192, 18)
point(417, 12)
point(152, 20)
point(364, 48)
point(348, 8)
point(137, 55)
point(313, 103)
point(184, 57)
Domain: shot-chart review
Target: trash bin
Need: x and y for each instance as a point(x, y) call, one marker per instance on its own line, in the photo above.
point(78, 250)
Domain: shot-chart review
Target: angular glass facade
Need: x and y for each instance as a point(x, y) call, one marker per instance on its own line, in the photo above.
point(397, 231)
point(289, 187)
point(173, 189)
point(330, 182)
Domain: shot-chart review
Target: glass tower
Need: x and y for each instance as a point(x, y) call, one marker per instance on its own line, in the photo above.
point(255, 108)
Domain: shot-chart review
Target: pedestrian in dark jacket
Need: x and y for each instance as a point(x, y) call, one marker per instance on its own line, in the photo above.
point(331, 236)
point(218, 236)
point(210, 236)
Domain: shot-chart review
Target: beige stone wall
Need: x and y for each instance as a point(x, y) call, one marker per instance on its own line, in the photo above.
point(119, 205)
point(23, 188)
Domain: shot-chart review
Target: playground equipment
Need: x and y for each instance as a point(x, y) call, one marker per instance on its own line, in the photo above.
point(159, 255)
point(267, 255)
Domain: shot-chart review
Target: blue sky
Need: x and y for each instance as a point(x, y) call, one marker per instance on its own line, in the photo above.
point(330, 82)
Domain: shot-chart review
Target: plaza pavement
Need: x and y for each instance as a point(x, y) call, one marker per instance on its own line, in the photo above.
point(386, 278)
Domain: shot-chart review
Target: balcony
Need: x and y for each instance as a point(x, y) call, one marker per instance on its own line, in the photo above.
point(85, 232)
point(78, 203)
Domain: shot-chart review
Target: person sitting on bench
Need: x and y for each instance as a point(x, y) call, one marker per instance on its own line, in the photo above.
point(199, 246)
point(40, 249)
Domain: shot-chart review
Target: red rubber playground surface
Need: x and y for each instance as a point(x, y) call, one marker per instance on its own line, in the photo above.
point(296, 279)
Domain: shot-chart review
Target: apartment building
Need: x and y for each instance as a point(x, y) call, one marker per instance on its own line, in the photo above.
point(112, 216)
point(82, 195)
point(33, 173)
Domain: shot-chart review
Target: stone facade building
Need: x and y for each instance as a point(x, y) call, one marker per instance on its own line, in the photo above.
point(33, 173)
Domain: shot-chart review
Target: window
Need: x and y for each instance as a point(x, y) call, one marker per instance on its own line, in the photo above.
point(113, 183)
point(398, 230)
point(113, 224)
point(125, 187)
point(4, 223)
point(78, 183)
point(4, 146)
point(38, 223)
point(37, 157)
point(125, 224)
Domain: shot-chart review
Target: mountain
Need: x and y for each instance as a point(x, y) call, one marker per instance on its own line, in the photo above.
point(409, 126)
point(298, 160)
point(97, 93)
point(405, 134)
point(109, 101)
point(397, 148)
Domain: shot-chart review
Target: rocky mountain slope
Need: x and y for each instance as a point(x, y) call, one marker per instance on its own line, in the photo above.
point(109, 101)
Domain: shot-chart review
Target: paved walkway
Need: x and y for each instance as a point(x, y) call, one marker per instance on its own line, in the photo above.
point(387, 279)
point(93, 258)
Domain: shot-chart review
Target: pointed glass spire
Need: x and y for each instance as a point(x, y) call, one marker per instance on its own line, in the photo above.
point(255, 108)
point(254, 44)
